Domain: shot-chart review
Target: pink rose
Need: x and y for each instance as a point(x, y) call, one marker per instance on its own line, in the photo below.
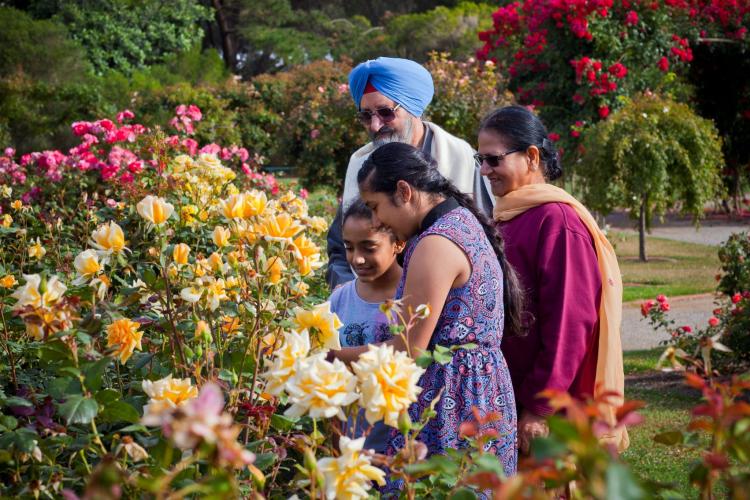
point(314, 133)
point(713, 321)
point(9, 152)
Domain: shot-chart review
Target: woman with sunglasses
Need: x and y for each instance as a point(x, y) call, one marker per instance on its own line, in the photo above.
point(568, 271)
point(454, 263)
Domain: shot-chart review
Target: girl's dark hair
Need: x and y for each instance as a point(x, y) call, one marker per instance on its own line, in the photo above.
point(397, 161)
point(520, 129)
point(359, 210)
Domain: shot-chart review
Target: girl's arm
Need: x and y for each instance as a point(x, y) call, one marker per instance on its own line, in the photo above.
point(436, 266)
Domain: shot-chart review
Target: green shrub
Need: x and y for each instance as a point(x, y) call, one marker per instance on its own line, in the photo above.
point(734, 255)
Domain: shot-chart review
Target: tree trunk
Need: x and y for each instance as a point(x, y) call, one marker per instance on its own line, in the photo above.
point(225, 33)
point(642, 231)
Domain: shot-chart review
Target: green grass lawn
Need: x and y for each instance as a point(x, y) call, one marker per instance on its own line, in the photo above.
point(674, 267)
point(668, 405)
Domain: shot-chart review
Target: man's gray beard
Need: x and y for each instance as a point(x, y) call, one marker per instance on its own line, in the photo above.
point(405, 137)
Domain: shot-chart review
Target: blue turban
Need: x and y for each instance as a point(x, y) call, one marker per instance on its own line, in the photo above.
point(402, 80)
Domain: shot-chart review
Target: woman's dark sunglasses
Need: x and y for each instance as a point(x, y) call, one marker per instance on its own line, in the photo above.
point(385, 114)
point(494, 160)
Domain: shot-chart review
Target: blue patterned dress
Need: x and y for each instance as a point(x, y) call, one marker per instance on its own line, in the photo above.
point(477, 377)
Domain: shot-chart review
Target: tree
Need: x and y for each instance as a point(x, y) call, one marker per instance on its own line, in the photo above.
point(39, 50)
point(652, 155)
point(128, 34)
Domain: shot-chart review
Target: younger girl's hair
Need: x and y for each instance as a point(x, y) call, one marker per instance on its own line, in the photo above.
point(397, 161)
point(359, 210)
point(520, 129)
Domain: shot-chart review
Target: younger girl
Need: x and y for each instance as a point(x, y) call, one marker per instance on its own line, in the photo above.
point(371, 252)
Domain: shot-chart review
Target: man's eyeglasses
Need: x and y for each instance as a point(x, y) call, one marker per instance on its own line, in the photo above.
point(385, 114)
point(494, 160)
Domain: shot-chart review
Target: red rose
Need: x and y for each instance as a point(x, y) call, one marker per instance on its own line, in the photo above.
point(686, 329)
point(618, 70)
point(631, 18)
point(646, 307)
point(736, 298)
point(664, 306)
point(661, 298)
point(554, 137)
point(663, 64)
point(603, 112)
point(713, 321)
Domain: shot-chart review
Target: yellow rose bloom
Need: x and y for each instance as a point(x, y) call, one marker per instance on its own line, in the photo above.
point(221, 236)
point(274, 269)
point(300, 289)
point(349, 476)
point(281, 368)
point(155, 209)
point(281, 227)
point(215, 293)
point(16, 205)
point(320, 388)
point(216, 263)
point(318, 224)
point(87, 265)
point(108, 238)
point(388, 382)
point(244, 205)
point(31, 295)
point(230, 325)
point(322, 324)
point(165, 395)
point(7, 220)
point(202, 329)
point(8, 281)
point(37, 251)
point(187, 212)
point(125, 336)
point(307, 254)
point(180, 253)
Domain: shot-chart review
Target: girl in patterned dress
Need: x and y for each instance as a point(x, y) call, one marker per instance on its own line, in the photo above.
point(455, 263)
point(371, 252)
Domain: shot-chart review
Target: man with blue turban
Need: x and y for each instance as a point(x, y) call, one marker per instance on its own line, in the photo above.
point(391, 95)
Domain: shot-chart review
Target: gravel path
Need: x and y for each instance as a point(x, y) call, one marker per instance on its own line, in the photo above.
point(693, 310)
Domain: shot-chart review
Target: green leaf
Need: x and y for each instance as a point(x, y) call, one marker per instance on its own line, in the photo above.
point(547, 447)
point(490, 463)
point(434, 464)
point(463, 494)
point(282, 423)
point(265, 460)
point(135, 428)
point(561, 428)
point(425, 359)
point(119, 411)
point(95, 373)
point(621, 484)
point(78, 410)
point(17, 401)
point(63, 387)
point(106, 396)
point(8, 422)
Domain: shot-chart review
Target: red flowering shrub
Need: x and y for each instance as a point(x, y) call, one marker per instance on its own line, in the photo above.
point(574, 60)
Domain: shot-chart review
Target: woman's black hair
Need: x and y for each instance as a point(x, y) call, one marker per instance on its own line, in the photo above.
point(520, 129)
point(397, 161)
point(359, 210)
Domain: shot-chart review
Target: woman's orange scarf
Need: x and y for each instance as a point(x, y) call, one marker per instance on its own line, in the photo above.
point(610, 375)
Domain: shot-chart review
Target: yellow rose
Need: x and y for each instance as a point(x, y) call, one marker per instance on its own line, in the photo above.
point(108, 238)
point(30, 293)
point(274, 269)
point(295, 346)
point(349, 476)
point(320, 388)
point(16, 205)
point(281, 227)
point(244, 205)
point(180, 253)
point(155, 209)
point(202, 329)
point(307, 254)
point(318, 224)
point(216, 262)
point(300, 289)
point(37, 251)
point(221, 236)
point(322, 324)
point(165, 395)
point(388, 381)
point(7, 220)
point(230, 325)
point(125, 336)
point(8, 281)
point(87, 265)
